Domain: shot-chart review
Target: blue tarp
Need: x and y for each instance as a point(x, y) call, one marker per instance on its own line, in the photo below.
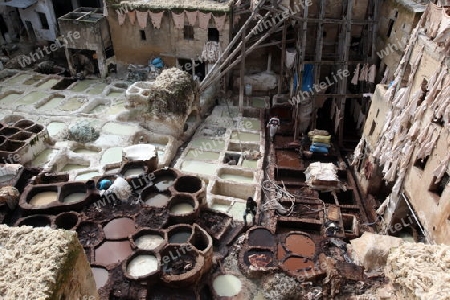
point(308, 77)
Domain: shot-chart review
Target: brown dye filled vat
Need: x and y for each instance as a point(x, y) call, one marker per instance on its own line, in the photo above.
point(112, 252)
point(302, 245)
point(119, 228)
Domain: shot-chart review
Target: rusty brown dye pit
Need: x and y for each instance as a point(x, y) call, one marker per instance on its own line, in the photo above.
point(66, 220)
point(188, 184)
point(301, 245)
point(90, 233)
point(281, 252)
point(35, 221)
point(112, 252)
point(260, 258)
point(261, 237)
point(288, 159)
point(119, 228)
point(101, 276)
point(296, 264)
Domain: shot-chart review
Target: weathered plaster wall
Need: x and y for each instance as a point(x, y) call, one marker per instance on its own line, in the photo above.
point(12, 20)
point(390, 49)
point(30, 14)
point(401, 143)
point(166, 42)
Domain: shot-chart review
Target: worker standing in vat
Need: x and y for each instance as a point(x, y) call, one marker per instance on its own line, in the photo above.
point(250, 208)
point(273, 125)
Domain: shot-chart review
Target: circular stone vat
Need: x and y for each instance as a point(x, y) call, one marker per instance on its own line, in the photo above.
point(148, 239)
point(179, 234)
point(181, 264)
point(120, 228)
point(301, 245)
point(226, 285)
point(188, 184)
point(261, 237)
point(152, 197)
point(183, 209)
point(35, 221)
point(101, 276)
point(164, 178)
point(66, 220)
point(90, 233)
point(296, 264)
point(141, 265)
point(259, 258)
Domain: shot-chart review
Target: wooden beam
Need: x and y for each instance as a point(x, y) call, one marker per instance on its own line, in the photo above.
point(233, 42)
point(283, 58)
point(217, 76)
point(301, 69)
point(242, 79)
point(318, 58)
point(347, 27)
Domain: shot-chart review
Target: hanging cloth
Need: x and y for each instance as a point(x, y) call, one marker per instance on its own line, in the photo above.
point(356, 76)
point(178, 19)
point(192, 17)
point(220, 22)
point(105, 9)
point(132, 16)
point(236, 20)
point(372, 73)
point(121, 18)
point(156, 18)
point(364, 72)
point(337, 120)
point(203, 20)
point(142, 18)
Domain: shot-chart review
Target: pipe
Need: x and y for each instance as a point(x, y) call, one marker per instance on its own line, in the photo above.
point(417, 220)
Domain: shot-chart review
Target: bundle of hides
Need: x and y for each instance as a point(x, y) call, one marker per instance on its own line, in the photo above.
point(322, 176)
point(120, 188)
point(320, 143)
point(420, 270)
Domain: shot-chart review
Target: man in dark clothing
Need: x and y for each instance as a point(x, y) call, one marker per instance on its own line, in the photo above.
point(250, 208)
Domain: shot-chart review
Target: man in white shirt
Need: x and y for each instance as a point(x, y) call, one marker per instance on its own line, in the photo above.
point(273, 125)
